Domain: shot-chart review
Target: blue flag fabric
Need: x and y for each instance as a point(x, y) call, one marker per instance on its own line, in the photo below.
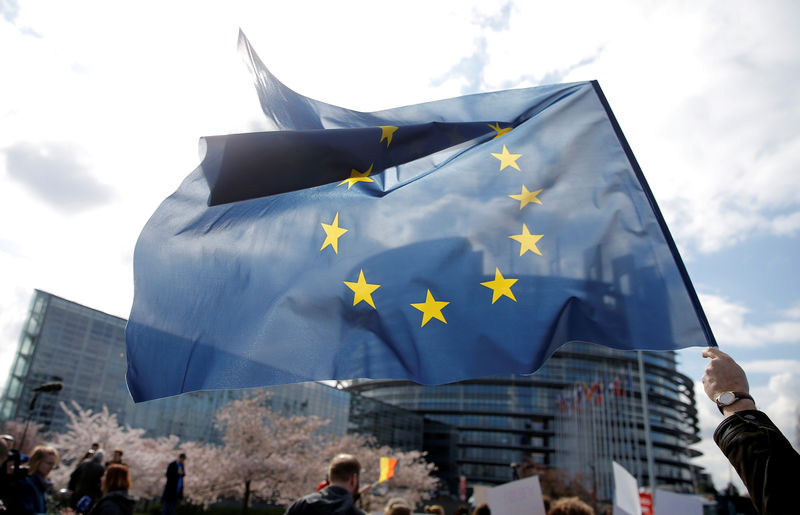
point(436, 242)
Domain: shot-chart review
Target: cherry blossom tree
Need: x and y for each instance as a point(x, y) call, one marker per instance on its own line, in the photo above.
point(264, 455)
point(147, 458)
point(263, 452)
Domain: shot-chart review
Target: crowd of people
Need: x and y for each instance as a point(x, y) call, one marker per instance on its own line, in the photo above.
point(761, 455)
point(95, 487)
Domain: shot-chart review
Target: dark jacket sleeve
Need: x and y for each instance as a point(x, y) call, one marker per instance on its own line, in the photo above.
point(763, 458)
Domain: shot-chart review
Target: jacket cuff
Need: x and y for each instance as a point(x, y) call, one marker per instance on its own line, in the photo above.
point(744, 418)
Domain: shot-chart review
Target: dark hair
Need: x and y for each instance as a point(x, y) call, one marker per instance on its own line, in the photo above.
point(117, 478)
point(399, 510)
point(343, 467)
point(569, 506)
point(182, 456)
point(482, 509)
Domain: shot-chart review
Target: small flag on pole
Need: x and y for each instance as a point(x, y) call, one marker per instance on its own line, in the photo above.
point(387, 468)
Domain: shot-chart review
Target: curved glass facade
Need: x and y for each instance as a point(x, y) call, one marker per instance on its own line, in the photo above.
point(579, 412)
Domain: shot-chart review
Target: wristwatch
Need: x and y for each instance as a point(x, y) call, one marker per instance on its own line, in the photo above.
point(728, 398)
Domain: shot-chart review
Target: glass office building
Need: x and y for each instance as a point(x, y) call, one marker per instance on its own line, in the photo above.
point(579, 412)
point(85, 350)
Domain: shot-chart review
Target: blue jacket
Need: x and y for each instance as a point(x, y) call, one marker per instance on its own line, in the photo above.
point(33, 494)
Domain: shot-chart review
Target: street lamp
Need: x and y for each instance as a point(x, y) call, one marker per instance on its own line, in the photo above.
point(52, 387)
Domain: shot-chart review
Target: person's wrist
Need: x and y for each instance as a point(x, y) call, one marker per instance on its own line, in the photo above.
point(738, 405)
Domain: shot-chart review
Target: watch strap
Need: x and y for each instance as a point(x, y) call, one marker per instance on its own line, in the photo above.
point(737, 397)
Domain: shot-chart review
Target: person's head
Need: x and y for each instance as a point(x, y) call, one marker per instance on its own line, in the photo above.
point(8, 440)
point(117, 477)
point(343, 471)
point(462, 510)
point(397, 506)
point(43, 460)
point(482, 509)
point(117, 456)
point(181, 457)
point(95, 446)
point(435, 509)
point(569, 506)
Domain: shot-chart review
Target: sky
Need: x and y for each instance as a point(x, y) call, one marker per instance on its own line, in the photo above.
point(102, 104)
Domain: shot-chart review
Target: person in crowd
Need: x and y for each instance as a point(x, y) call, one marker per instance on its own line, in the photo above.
point(94, 448)
point(569, 506)
point(173, 488)
point(764, 459)
point(116, 458)
point(435, 509)
point(462, 510)
point(397, 506)
point(84, 483)
point(336, 498)
point(32, 490)
point(116, 500)
point(482, 509)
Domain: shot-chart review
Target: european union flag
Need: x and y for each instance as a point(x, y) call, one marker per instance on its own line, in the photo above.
point(436, 242)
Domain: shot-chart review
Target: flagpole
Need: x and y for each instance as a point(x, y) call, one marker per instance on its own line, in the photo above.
point(630, 410)
point(646, 414)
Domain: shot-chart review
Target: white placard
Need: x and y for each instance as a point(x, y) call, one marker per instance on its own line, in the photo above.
point(516, 497)
point(668, 503)
point(626, 492)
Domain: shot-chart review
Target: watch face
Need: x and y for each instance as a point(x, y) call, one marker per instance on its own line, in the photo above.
point(726, 398)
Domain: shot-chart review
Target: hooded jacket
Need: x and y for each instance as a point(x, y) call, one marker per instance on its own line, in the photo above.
point(331, 500)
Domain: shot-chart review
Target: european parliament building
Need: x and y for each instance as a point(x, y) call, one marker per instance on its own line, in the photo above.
point(582, 410)
point(588, 405)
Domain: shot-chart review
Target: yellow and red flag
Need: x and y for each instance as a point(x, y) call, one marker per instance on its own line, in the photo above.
point(387, 468)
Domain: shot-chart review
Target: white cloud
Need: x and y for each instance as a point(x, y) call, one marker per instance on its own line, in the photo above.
point(729, 322)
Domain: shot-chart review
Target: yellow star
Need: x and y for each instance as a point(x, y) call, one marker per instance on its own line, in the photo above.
point(500, 131)
point(431, 308)
point(507, 159)
point(332, 233)
point(527, 241)
point(362, 289)
point(526, 197)
point(356, 176)
point(500, 286)
point(387, 131)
